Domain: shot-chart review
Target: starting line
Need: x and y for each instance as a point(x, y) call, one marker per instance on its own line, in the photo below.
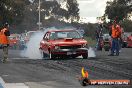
point(11, 85)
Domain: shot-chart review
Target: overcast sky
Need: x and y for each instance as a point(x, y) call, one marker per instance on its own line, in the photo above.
point(92, 9)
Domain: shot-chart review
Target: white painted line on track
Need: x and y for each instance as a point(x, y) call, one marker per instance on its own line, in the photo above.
point(12, 85)
point(16, 85)
point(2, 82)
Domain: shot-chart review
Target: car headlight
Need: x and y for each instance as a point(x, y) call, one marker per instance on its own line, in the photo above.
point(57, 47)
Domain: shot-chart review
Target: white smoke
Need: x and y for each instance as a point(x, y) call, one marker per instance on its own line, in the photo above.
point(33, 45)
point(32, 50)
point(91, 52)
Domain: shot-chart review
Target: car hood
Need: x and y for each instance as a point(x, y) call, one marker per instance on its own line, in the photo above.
point(68, 42)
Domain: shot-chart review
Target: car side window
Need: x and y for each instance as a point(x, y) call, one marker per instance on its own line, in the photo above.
point(46, 37)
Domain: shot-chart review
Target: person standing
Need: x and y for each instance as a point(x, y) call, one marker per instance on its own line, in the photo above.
point(115, 34)
point(4, 41)
point(121, 38)
point(98, 35)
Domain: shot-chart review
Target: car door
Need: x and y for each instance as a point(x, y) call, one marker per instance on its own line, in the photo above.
point(45, 45)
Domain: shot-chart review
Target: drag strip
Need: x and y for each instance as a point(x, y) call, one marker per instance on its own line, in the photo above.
point(64, 73)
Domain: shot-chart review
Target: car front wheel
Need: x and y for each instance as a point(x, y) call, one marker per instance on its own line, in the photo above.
point(85, 56)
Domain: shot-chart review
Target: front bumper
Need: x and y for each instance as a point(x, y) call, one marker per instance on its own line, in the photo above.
point(79, 51)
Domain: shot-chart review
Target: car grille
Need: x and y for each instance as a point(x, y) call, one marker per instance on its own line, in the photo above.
point(70, 47)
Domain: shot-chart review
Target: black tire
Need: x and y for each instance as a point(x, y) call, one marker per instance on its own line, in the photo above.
point(123, 45)
point(43, 55)
point(85, 82)
point(85, 56)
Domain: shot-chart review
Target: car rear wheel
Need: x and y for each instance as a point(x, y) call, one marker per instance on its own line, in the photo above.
point(43, 55)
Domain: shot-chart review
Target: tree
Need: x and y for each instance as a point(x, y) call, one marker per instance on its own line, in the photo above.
point(11, 11)
point(73, 10)
point(127, 25)
point(23, 15)
point(118, 9)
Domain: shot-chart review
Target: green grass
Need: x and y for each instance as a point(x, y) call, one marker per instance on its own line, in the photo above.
point(91, 42)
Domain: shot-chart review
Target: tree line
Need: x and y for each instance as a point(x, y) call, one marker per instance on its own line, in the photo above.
point(23, 14)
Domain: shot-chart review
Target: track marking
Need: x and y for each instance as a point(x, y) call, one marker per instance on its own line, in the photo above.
point(11, 85)
point(2, 83)
point(16, 85)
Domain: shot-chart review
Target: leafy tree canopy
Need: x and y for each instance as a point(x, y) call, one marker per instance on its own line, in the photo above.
point(11, 10)
point(118, 9)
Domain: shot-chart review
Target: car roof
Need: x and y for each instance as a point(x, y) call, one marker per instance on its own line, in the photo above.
point(62, 30)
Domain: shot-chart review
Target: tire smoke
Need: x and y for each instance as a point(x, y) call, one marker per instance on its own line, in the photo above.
point(91, 52)
point(33, 45)
point(32, 51)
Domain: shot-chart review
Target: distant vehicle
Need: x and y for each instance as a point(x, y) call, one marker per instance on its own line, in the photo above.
point(22, 44)
point(24, 39)
point(14, 41)
point(28, 35)
point(62, 43)
point(124, 40)
point(129, 41)
point(107, 42)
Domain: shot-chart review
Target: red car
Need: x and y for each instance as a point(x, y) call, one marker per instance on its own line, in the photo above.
point(63, 43)
point(129, 41)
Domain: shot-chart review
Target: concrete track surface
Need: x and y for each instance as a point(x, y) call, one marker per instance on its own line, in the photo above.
point(64, 73)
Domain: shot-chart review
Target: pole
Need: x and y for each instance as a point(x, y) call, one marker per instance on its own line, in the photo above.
point(39, 16)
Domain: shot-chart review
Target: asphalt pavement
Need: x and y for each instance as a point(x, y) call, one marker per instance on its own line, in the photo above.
point(64, 73)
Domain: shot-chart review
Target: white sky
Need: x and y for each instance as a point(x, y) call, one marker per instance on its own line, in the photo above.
point(90, 9)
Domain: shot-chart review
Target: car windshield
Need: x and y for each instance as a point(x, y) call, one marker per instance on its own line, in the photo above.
point(62, 35)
